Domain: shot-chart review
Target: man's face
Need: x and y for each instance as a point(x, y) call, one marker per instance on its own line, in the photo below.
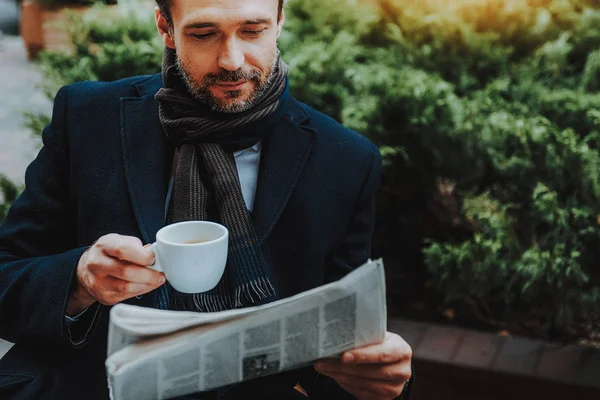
point(226, 49)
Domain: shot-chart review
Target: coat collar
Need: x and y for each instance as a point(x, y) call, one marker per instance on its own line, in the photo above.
point(148, 154)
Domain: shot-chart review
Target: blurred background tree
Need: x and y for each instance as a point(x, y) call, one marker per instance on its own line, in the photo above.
point(487, 113)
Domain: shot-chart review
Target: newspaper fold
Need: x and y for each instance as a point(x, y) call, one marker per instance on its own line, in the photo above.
point(157, 354)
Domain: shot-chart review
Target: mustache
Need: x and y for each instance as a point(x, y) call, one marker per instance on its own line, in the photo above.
point(231, 76)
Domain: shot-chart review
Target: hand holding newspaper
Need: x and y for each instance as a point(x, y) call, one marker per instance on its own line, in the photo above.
point(157, 354)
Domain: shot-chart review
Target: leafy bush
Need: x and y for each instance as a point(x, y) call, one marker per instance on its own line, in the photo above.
point(108, 44)
point(59, 3)
point(8, 194)
point(488, 117)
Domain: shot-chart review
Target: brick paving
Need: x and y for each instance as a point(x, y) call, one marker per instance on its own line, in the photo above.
point(440, 344)
point(518, 355)
point(481, 351)
point(453, 363)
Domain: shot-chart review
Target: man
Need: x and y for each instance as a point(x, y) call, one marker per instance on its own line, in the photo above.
point(217, 136)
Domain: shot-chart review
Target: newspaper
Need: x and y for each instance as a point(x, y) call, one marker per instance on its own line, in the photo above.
point(157, 354)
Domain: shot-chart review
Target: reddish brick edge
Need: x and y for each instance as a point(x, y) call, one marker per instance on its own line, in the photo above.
point(454, 363)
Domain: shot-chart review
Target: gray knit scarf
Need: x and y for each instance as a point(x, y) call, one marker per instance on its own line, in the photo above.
point(206, 186)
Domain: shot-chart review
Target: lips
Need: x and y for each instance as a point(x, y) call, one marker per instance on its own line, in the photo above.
point(231, 85)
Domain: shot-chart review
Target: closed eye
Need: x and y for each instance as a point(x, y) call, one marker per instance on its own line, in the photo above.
point(254, 33)
point(203, 36)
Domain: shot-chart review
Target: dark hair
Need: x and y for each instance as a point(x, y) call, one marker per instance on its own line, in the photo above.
point(163, 5)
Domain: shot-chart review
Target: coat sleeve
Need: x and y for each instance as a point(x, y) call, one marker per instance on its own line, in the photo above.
point(38, 254)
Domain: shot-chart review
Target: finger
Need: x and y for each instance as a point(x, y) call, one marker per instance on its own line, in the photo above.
point(136, 274)
point(126, 248)
point(396, 372)
point(393, 349)
point(370, 387)
point(102, 265)
point(123, 290)
point(99, 263)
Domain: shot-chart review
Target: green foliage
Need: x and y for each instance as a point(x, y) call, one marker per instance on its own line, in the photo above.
point(8, 194)
point(59, 3)
point(36, 121)
point(108, 44)
point(590, 80)
point(487, 114)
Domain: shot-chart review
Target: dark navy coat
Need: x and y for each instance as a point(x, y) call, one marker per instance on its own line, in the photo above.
point(104, 168)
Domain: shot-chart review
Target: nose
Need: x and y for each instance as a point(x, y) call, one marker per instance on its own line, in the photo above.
point(232, 57)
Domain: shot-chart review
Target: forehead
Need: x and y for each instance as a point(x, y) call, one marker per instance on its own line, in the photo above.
point(222, 11)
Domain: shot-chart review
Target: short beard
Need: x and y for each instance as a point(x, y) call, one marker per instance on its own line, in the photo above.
point(201, 90)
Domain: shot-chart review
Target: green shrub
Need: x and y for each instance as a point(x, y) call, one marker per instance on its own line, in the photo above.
point(590, 80)
point(8, 194)
point(108, 44)
point(59, 3)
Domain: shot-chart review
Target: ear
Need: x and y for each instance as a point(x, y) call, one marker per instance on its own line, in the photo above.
point(280, 23)
point(166, 33)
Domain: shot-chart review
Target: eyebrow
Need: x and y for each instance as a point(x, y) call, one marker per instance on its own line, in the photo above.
point(257, 21)
point(200, 25)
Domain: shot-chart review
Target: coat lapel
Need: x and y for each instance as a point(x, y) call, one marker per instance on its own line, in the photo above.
point(147, 156)
point(285, 153)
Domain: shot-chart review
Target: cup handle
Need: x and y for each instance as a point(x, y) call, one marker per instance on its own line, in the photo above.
point(155, 266)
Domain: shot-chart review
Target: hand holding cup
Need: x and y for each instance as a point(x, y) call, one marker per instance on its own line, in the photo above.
point(114, 269)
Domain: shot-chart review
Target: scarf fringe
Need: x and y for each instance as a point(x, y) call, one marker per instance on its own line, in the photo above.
point(243, 296)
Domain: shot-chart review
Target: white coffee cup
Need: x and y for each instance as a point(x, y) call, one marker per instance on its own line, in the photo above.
point(191, 254)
